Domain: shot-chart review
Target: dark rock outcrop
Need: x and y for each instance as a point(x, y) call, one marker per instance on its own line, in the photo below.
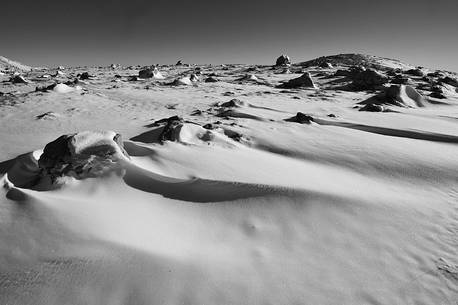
point(211, 79)
point(301, 118)
point(304, 81)
point(81, 155)
point(415, 72)
point(449, 81)
point(18, 79)
point(283, 60)
point(368, 80)
point(372, 108)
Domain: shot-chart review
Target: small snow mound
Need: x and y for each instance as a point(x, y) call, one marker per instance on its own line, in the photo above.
point(248, 77)
point(63, 88)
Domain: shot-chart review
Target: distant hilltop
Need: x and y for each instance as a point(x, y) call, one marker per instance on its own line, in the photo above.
point(351, 59)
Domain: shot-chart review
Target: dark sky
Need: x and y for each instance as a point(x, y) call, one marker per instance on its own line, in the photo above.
point(57, 32)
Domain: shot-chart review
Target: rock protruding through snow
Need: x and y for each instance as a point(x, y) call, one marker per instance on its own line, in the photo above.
point(81, 155)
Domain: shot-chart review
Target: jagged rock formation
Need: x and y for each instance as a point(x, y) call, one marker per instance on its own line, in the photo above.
point(283, 60)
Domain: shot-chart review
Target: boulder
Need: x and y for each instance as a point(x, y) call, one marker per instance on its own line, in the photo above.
point(211, 79)
point(372, 108)
point(193, 78)
point(18, 79)
point(171, 129)
point(85, 75)
point(415, 72)
point(301, 118)
point(150, 73)
point(234, 103)
point(82, 155)
point(304, 81)
point(283, 60)
point(183, 81)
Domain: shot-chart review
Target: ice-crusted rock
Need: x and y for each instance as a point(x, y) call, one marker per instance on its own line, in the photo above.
point(81, 155)
point(304, 81)
point(283, 60)
point(150, 73)
point(183, 81)
point(18, 79)
point(194, 78)
point(171, 129)
point(326, 65)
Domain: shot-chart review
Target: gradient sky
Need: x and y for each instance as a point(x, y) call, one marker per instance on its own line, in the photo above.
point(57, 32)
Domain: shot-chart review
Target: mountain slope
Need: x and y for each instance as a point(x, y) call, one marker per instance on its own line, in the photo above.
point(8, 64)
